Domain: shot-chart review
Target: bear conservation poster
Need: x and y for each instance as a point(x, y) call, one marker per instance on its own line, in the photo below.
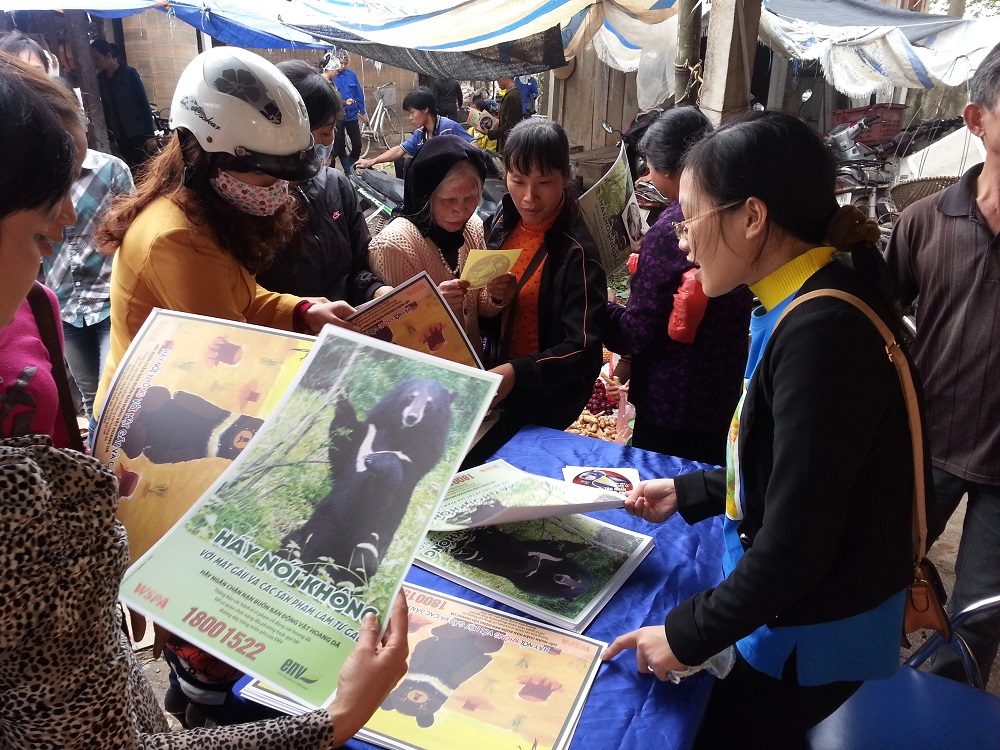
point(562, 570)
point(316, 521)
point(497, 492)
point(477, 678)
point(186, 399)
point(415, 315)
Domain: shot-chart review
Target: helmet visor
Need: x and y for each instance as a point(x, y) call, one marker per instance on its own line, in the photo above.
point(296, 167)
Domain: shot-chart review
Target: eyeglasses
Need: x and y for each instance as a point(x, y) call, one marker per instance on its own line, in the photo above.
point(681, 227)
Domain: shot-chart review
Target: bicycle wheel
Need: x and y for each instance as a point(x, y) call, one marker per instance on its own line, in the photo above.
point(366, 141)
point(390, 131)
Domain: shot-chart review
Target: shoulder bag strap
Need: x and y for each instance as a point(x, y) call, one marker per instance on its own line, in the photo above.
point(41, 308)
point(895, 354)
point(507, 323)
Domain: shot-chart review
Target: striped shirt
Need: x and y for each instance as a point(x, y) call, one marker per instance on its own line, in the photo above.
point(943, 251)
point(76, 272)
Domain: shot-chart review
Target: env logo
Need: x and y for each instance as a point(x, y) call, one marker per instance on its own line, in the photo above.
point(297, 671)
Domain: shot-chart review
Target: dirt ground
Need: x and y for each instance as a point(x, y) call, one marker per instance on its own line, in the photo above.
point(943, 554)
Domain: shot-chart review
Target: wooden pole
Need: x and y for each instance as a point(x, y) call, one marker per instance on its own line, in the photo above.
point(687, 62)
point(77, 24)
point(729, 57)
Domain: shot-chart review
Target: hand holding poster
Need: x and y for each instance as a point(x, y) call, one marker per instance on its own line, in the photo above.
point(482, 266)
point(274, 567)
point(414, 315)
point(612, 214)
point(471, 670)
point(497, 492)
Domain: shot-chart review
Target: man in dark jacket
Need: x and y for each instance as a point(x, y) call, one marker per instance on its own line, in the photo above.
point(448, 95)
point(510, 112)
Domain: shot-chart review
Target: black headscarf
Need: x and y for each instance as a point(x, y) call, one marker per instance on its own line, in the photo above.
point(435, 159)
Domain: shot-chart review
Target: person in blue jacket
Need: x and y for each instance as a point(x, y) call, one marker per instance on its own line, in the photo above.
point(421, 109)
point(528, 87)
point(353, 94)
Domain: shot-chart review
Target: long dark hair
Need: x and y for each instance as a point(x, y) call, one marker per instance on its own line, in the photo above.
point(181, 172)
point(36, 151)
point(778, 159)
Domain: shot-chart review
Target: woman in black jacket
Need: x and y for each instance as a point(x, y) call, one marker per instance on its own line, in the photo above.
point(818, 489)
point(329, 258)
point(548, 346)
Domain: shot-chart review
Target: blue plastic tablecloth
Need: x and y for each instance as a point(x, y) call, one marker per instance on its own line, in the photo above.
point(625, 709)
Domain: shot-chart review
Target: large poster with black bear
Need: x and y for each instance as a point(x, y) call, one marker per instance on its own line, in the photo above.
point(317, 520)
point(477, 678)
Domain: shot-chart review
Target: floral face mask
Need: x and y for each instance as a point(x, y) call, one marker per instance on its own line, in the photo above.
point(325, 152)
point(251, 199)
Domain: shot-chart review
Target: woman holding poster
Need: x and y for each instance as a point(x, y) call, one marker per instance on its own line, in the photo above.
point(68, 674)
point(437, 226)
point(548, 345)
point(215, 205)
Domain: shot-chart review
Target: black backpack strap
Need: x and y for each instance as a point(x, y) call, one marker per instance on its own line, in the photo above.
point(41, 308)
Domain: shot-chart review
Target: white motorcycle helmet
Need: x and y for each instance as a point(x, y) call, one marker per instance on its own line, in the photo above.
point(235, 102)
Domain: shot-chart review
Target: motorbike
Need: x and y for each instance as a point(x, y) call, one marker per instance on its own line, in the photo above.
point(866, 173)
point(380, 193)
point(863, 177)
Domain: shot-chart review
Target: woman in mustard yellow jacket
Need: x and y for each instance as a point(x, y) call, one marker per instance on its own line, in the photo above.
point(214, 204)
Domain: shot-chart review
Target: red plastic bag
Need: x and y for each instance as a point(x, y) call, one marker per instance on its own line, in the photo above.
point(689, 308)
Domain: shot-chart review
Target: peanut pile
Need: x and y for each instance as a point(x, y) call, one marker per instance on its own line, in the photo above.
point(600, 427)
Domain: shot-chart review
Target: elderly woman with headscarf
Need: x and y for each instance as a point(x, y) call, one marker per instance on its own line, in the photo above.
point(436, 227)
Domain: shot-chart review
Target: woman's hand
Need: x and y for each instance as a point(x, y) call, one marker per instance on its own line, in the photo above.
point(453, 291)
point(370, 672)
point(506, 371)
point(653, 654)
point(384, 289)
point(502, 288)
point(328, 312)
point(614, 388)
point(653, 500)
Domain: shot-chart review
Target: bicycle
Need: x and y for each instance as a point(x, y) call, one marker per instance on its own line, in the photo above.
point(383, 124)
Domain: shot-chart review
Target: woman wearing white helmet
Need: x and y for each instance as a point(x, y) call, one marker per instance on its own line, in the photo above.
point(214, 204)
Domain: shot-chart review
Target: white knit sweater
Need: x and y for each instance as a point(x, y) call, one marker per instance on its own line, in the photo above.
point(399, 252)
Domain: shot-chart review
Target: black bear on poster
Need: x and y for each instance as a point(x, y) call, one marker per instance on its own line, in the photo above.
point(438, 666)
point(375, 465)
point(541, 567)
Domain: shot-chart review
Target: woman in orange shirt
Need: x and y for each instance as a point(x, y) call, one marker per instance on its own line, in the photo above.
point(547, 346)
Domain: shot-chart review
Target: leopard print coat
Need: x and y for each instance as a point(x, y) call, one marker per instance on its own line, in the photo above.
point(68, 676)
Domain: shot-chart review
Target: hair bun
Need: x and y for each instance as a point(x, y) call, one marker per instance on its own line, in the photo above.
point(851, 226)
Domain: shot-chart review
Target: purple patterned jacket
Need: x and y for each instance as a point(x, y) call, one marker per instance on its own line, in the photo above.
point(679, 386)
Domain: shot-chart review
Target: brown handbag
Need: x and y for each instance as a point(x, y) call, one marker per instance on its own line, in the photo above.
point(925, 596)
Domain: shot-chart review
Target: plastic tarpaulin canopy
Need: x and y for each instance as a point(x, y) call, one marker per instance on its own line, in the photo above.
point(482, 38)
point(454, 25)
point(900, 48)
point(542, 51)
point(241, 23)
point(914, 26)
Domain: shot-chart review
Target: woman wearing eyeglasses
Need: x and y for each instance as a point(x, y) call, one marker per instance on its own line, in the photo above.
point(818, 489)
point(685, 387)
